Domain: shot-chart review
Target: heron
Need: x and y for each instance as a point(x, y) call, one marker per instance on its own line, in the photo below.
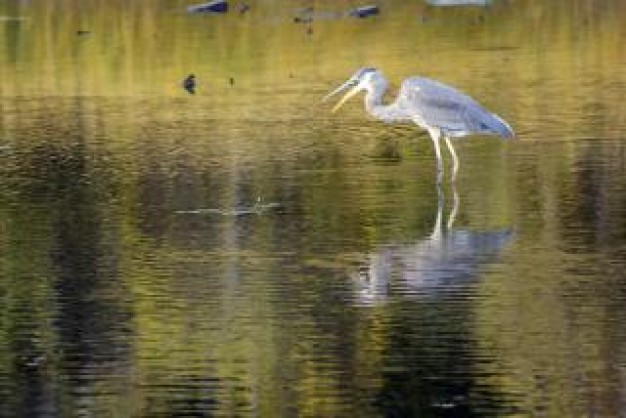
point(442, 110)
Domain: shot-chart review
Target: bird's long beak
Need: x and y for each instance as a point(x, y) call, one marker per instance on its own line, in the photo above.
point(345, 98)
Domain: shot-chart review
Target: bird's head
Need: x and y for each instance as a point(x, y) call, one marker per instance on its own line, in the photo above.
point(362, 79)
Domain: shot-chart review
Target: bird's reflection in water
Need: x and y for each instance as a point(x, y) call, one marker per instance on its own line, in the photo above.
point(444, 261)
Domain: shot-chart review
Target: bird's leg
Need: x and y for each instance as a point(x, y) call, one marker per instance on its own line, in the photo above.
point(455, 207)
point(436, 233)
point(435, 134)
point(455, 159)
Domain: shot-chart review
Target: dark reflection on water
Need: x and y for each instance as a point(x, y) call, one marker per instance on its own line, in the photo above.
point(430, 371)
point(53, 199)
point(122, 301)
point(91, 322)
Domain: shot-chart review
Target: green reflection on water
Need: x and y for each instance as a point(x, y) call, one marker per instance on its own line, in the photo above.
point(114, 298)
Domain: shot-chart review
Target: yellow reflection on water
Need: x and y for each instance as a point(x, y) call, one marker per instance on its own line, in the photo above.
point(553, 69)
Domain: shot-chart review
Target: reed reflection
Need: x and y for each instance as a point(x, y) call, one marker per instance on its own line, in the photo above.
point(446, 260)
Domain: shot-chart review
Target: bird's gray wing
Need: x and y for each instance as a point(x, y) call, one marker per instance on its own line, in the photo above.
point(434, 104)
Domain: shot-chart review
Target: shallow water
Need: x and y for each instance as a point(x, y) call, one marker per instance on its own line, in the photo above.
point(142, 276)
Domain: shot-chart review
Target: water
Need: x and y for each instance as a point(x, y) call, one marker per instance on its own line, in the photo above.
point(142, 276)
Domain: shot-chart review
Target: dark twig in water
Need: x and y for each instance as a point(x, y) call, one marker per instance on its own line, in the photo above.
point(257, 209)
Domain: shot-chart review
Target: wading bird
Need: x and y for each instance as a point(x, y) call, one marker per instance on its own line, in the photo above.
point(440, 109)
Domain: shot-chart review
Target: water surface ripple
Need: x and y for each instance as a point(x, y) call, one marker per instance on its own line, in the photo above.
point(244, 251)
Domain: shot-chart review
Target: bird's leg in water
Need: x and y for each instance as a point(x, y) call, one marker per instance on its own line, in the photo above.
point(455, 207)
point(455, 159)
point(436, 234)
point(435, 135)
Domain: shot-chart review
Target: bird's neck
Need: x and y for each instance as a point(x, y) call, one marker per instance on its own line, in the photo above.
point(386, 112)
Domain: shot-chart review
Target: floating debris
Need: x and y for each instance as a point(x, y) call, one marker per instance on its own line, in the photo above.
point(189, 84)
point(309, 14)
point(243, 8)
point(257, 209)
point(364, 11)
point(445, 3)
point(83, 32)
point(216, 6)
point(300, 19)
